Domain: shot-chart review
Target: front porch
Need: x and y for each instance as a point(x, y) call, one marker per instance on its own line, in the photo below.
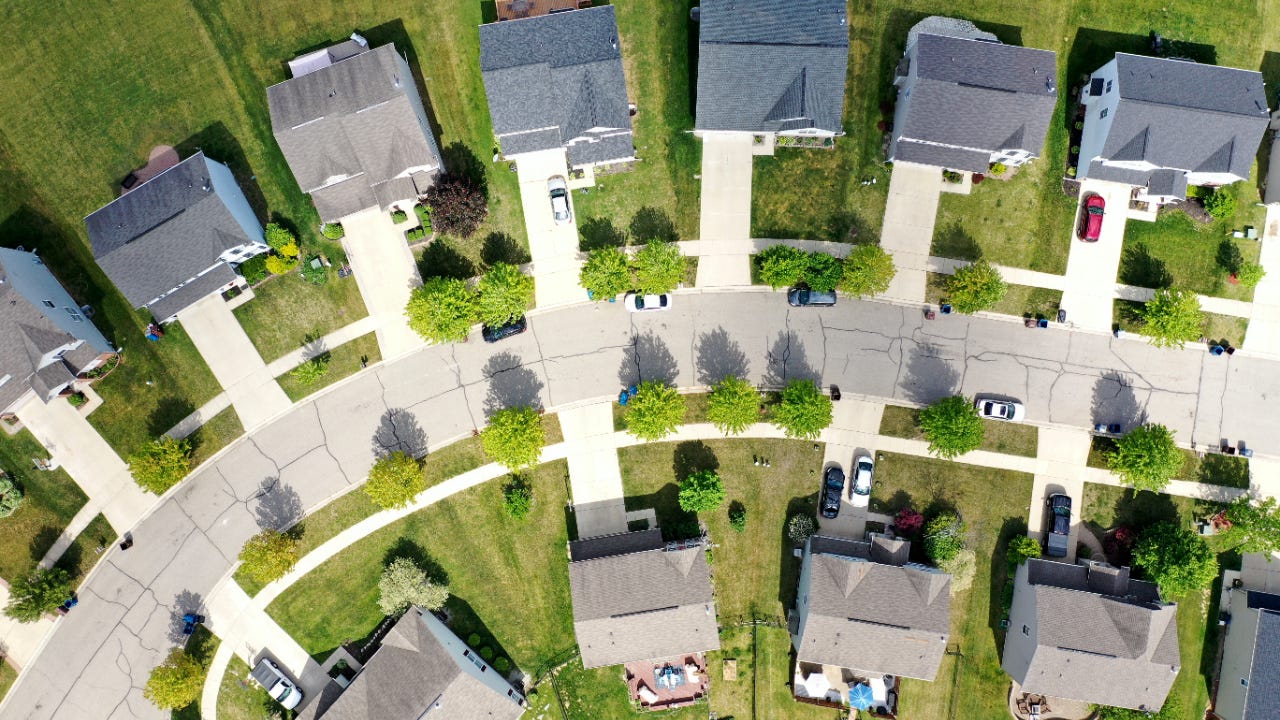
point(667, 682)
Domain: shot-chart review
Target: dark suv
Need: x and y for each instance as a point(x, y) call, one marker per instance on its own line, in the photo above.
point(801, 296)
point(1059, 520)
point(832, 491)
point(492, 335)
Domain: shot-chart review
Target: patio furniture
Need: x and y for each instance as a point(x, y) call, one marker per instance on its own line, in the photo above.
point(645, 694)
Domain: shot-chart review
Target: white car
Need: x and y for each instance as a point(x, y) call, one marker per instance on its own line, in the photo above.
point(646, 303)
point(860, 489)
point(559, 191)
point(279, 687)
point(1010, 410)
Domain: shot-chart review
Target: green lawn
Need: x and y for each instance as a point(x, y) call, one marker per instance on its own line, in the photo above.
point(599, 693)
point(217, 433)
point(344, 361)
point(1215, 327)
point(8, 676)
point(1022, 300)
point(201, 645)
point(993, 503)
point(1177, 251)
point(288, 312)
point(50, 499)
point(240, 698)
point(1002, 437)
point(83, 554)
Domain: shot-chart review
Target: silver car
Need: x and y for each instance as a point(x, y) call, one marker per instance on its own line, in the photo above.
point(993, 409)
point(559, 191)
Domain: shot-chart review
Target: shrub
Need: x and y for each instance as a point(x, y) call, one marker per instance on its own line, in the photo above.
point(952, 427)
point(1221, 203)
point(279, 264)
point(442, 310)
point(868, 270)
point(952, 176)
point(398, 216)
point(1146, 458)
point(473, 639)
point(314, 272)
point(975, 287)
point(289, 250)
point(659, 267)
point(738, 517)
point(161, 464)
point(733, 405)
point(501, 664)
point(310, 372)
point(505, 294)
point(655, 411)
point(415, 234)
point(175, 683)
point(514, 437)
point(1171, 318)
point(394, 480)
point(1176, 559)
point(907, 522)
point(254, 270)
point(781, 265)
point(40, 592)
point(424, 215)
point(962, 568)
point(517, 498)
point(1250, 274)
point(803, 412)
point(10, 496)
point(457, 205)
point(702, 491)
point(1021, 549)
point(944, 538)
point(1172, 710)
point(998, 168)
point(486, 652)
point(823, 273)
point(403, 583)
point(606, 273)
point(800, 527)
point(277, 236)
point(77, 399)
point(333, 231)
point(268, 555)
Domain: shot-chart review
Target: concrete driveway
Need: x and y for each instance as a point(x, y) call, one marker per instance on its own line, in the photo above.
point(1091, 267)
point(1263, 335)
point(852, 422)
point(1060, 458)
point(909, 215)
point(726, 209)
point(594, 476)
point(553, 247)
point(234, 360)
point(386, 273)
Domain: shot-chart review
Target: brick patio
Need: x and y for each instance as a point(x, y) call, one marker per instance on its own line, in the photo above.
point(642, 674)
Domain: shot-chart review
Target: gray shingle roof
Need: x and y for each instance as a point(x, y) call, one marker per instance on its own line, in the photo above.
point(616, 544)
point(164, 232)
point(358, 119)
point(771, 65)
point(187, 295)
point(940, 156)
point(872, 617)
point(553, 78)
point(1263, 699)
point(642, 605)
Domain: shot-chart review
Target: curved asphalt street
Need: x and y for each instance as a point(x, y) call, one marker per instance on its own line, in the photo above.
point(99, 656)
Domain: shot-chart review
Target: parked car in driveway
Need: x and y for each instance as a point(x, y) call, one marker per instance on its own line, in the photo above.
point(1059, 518)
point(801, 296)
point(559, 191)
point(832, 491)
point(494, 334)
point(1091, 218)
point(636, 302)
point(992, 409)
point(860, 493)
point(280, 688)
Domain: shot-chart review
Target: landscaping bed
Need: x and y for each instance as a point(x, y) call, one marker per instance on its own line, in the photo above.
point(343, 361)
point(1002, 437)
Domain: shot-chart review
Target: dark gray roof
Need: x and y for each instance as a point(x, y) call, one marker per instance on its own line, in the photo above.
point(643, 605)
point(187, 295)
point(1093, 577)
point(978, 94)
point(359, 118)
point(1167, 182)
point(771, 65)
point(872, 617)
point(941, 156)
point(617, 544)
point(1262, 701)
point(164, 232)
point(553, 78)
point(1184, 115)
point(1272, 194)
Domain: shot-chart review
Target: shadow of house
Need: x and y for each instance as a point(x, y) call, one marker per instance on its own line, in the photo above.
point(511, 384)
point(1001, 579)
point(789, 564)
point(719, 357)
point(647, 359)
point(676, 523)
point(399, 431)
point(217, 142)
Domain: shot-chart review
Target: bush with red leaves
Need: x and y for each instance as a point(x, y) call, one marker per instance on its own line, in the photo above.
point(908, 522)
point(457, 205)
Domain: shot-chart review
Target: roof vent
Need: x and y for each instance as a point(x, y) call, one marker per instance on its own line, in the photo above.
point(395, 80)
point(206, 185)
point(614, 40)
point(333, 92)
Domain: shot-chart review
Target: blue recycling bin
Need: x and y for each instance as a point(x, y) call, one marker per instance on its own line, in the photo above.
point(1217, 350)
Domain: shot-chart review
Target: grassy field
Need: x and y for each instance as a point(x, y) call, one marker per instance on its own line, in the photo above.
point(1215, 327)
point(1177, 251)
point(1022, 300)
point(201, 645)
point(1002, 437)
point(50, 499)
point(83, 554)
point(288, 312)
point(217, 433)
point(240, 698)
point(344, 361)
point(993, 504)
point(8, 676)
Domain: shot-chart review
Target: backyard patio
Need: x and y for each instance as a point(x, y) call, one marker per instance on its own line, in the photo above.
point(668, 682)
point(831, 686)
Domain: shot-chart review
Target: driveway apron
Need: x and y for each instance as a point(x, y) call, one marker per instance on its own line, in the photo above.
point(909, 215)
point(726, 209)
point(552, 246)
point(386, 273)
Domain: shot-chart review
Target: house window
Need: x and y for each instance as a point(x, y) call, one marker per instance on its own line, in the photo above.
point(48, 303)
point(1026, 631)
point(1103, 113)
point(1108, 86)
point(74, 315)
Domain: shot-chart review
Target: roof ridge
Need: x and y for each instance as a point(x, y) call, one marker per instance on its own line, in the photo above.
point(1211, 111)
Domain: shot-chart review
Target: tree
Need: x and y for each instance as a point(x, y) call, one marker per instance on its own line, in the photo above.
point(505, 295)
point(823, 273)
point(403, 583)
point(517, 498)
point(702, 491)
point(962, 568)
point(952, 427)
point(733, 405)
point(175, 683)
point(803, 412)
point(606, 273)
point(1221, 203)
point(782, 265)
point(277, 236)
point(1146, 457)
point(1021, 549)
point(268, 555)
point(800, 527)
point(868, 270)
point(944, 537)
point(975, 287)
point(394, 480)
point(907, 522)
point(1250, 274)
point(310, 372)
point(1171, 318)
point(442, 310)
point(161, 464)
point(10, 495)
point(280, 265)
point(659, 267)
point(514, 437)
point(1255, 525)
point(1177, 560)
point(1172, 710)
point(738, 516)
point(654, 411)
point(457, 206)
point(40, 592)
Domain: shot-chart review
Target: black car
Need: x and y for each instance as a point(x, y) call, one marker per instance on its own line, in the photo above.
point(1058, 537)
point(832, 491)
point(492, 335)
point(801, 296)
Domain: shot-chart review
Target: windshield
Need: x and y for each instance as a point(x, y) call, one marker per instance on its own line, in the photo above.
point(288, 690)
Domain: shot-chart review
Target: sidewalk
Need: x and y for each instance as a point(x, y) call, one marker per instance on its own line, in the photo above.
point(386, 273)
point(594, 475)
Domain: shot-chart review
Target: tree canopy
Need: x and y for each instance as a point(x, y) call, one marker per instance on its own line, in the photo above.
point(269, 555)
point(40, 592)
point(655, 411)
point(781, 265)
point(823, 272)
point(175, 683)
point(1255, 524)
point(1146, 458)
point(1176, 559)
point(659, 267)
point(442, 310)
point(733, 405)
point(403, 583)
point(457, 206)
point(868, 270)
point(702, 491)
point(514, 437)
point(161, 464)
point(952, 427)
point(802, 411)
point(1171, 318)
point(394, 480)
point(975, 287)
point(606, 273)
point(505, 294)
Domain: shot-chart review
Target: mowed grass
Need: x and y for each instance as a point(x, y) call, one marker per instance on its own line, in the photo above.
point(343, 362)
point(83, 554)
point(217, 433)
point(600, 693)
point(993, 504)
point(1001, 437)
point(8, 676)
point(288, 312)
point(1178, 251)
point(50, 499)
point(1214, 328)
point(1020, 300)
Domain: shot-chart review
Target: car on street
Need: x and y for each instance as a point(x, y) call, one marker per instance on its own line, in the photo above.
point(992, 409)
point(1091, 218)
point(559, 191)
point(832, 491)
point(860, 493)
point(280, 688)
point(1059, 519)
point(801, 296)
point(636, 302)
point(494, 334)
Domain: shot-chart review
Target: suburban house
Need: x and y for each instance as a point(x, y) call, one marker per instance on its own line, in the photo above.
point(421, 671)
point(174, 239)
point(555, 81)
point(1089, 632)
point(1161, 125)
point(1249, 678)
point(967, 101)
point(353, 129)
point(866, 617)
point(48, 340)
point(647, 604)
point(772, 67)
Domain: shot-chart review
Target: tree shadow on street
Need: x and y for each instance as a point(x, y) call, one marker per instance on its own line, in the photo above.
point(787, 361)
point(1115, 402)
point(185, 602)
point(648, 359)
point(719, 356)
point(930, 376)
point(511, 384)
point(276, 506)
point(399, 431)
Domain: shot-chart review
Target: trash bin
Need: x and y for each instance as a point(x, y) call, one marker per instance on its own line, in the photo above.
point(945, 308)
point(1042, 322)
point(1062, 315)
point(1216, 350)
point(835, 392)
